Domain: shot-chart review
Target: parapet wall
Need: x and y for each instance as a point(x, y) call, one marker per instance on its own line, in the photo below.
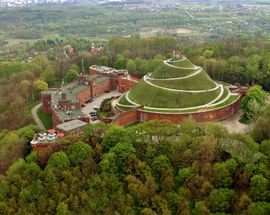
point(139, 115)
point(125, 85)
point(46, 103)
point(127, 118)
point(101, 87)
point(84, 95)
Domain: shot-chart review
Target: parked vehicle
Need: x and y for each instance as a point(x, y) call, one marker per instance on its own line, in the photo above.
point(96, 108)
point(93, 113)
point(94, 118)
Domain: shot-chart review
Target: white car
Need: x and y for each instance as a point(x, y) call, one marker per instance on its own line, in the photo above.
point(96, 108)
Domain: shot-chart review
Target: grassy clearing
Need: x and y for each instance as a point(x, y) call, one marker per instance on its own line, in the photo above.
point(45, 118)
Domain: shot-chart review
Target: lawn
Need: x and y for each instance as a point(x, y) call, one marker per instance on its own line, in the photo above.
point(184, 63)
point(202, 81)
point(45, 118)
point(148, 95)
point(165, 71)
point(231, 100)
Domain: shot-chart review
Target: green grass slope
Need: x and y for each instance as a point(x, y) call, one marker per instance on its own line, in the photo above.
point(183, 63)
point(165, 71)
point(148, 95)
point(202, 81)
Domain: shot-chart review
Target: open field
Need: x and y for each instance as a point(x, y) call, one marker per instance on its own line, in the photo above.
point(206, 21)
point(151, 32)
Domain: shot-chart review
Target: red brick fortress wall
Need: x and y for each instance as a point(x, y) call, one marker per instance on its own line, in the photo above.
point(55, 119)
point(101, 87)
point(206, 116)
point(46, 103)
point(84, 95)
point(125, 85)
point(129, 117)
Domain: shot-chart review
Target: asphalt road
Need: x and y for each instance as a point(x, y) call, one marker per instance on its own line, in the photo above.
point(97, 102)
point(36, 118)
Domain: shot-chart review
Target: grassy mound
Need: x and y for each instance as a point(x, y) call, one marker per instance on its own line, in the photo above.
point(154, 97)
point(148, 95)
point(165, 71)
point(202, 81)
point(183, 63)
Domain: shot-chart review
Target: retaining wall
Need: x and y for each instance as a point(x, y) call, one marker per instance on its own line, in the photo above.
point(139, 115)
point(125, 85)
point(127, 118)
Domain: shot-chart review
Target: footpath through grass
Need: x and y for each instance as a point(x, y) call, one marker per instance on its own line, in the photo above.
point(45, 118)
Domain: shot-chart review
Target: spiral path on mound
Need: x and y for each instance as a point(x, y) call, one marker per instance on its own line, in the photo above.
point(176, 85)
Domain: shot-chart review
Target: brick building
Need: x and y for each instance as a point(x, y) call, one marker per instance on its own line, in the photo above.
point(64, 104)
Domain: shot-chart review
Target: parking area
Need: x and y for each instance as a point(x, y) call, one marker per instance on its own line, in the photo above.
point(89, 107)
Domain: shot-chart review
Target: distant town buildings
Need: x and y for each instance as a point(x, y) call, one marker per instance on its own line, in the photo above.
point(25, 3)
point(123, 4)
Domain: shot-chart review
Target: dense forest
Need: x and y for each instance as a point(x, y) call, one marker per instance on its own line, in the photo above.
point(150, 168)
point(231, 60)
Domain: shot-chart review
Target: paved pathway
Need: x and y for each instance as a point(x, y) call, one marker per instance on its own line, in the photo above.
point(177, 90)
point(97, 101)
point(36, 118)
point(178, 78)
point(233, 124)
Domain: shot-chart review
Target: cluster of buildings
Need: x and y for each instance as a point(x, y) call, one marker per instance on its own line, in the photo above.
point(152, 6)
point(26, 3)
point(65, 103)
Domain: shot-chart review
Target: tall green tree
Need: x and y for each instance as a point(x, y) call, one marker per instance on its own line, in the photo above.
point(48, 75)
point(131, 66)
point(78, 152)
point(254, 102)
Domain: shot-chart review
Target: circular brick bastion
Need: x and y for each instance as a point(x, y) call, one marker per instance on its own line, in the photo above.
point(177, 90)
